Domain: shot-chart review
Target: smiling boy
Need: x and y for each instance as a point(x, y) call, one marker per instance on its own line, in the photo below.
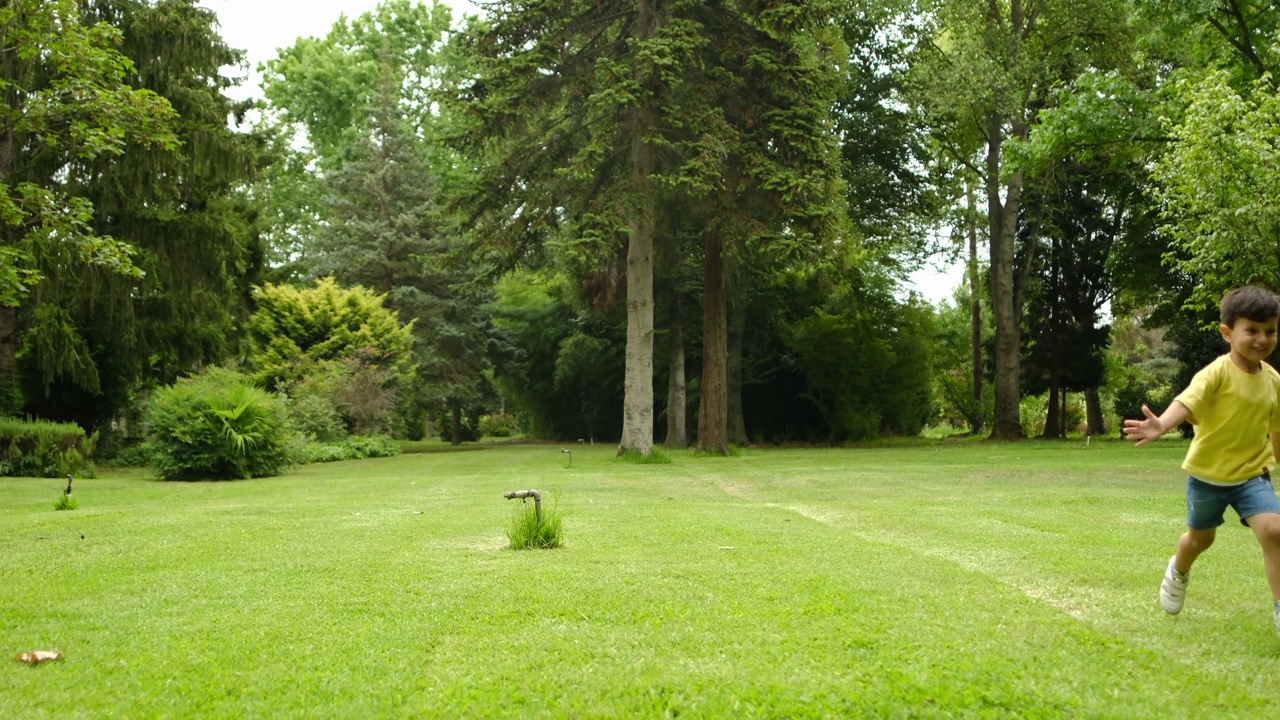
point(1233, 403)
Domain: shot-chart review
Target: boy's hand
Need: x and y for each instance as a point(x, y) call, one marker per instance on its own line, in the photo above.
point(1144, 431)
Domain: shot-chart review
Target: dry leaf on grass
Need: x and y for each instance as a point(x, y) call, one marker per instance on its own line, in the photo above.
point(35, 657)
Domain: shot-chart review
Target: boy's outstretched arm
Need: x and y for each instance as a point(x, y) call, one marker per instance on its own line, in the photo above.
point(1152, 428)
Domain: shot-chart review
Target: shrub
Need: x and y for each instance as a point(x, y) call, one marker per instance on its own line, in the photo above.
point(527, 531)
point(500, 425)
point(217, 426)
point(313, 415)
point(353, 448)
point(37, 448)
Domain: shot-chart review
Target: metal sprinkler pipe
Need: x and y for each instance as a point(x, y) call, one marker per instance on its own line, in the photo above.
point(522, 494)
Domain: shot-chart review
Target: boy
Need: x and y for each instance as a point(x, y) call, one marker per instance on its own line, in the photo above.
point(1233, 402)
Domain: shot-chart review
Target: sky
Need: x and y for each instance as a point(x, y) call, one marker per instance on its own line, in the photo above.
point(261, 27)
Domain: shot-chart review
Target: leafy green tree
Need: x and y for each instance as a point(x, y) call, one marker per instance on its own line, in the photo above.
point(1221, 201)
point(94, 335)
point(572, 103)
point(995, 64)
point(565, 379)
point(321, 93)
point(65, 103)
point(775, 195)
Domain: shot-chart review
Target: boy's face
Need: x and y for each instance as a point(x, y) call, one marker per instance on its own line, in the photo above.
point(1250, 340)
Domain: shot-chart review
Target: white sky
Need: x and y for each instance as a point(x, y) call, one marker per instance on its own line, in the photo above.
point(261, 27)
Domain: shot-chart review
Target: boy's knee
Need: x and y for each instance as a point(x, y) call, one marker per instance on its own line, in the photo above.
point(1200, 539)
point(1267, 527)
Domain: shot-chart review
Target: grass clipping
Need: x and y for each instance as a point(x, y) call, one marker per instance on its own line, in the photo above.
point(527, 532)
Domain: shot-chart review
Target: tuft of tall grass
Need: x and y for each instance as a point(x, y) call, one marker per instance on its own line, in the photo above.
point(64, 502)
point(526, 531)
point(657, 456)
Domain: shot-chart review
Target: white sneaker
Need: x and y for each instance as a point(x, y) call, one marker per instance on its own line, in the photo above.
point(1173, 590)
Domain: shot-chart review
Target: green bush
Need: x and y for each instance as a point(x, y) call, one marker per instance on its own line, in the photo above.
point(217, 426)
point(37, 448)
point(499, 425)
point(356, 447)
point(313, 415)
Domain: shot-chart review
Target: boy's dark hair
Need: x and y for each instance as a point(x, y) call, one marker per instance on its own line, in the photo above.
point(1249, 302)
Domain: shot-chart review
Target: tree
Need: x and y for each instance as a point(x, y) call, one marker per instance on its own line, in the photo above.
point(65, 103)
point(294, 330)
point(994, 65)
point(568, 118)
point(320, 94)
point(1221, 203)
point(776, 194)
point(94, 335)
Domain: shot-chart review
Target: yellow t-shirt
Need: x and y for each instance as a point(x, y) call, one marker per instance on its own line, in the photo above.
point(1233, 412)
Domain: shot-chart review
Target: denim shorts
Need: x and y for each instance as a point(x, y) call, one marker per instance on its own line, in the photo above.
point(1207, 503)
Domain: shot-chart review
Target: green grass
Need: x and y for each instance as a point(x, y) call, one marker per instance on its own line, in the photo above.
point(909, 580)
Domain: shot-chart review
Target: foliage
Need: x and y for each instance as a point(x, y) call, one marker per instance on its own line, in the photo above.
point(565, 377)
point(1221, 202)
point(498, 425)
point(295, 331)
point(91, 335)
point(864, 360)
point(65, 95)
point(313, 415)
point(526, 531)
point(65, 502)
point(39, 448)
point(953, 364)
point(356, 447)
point(217, 426)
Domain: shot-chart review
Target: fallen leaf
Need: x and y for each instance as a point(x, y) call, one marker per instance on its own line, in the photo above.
point(35, 657)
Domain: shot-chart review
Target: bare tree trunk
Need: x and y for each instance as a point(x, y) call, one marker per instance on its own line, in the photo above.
point(975, 312)
point(1097, 425)
point(677, 433)
point(8, 360)
point(1003, 221)
point(737, 325)
point(455, 432)
point(713, 408)
point(1053, 413)
point(637, 402)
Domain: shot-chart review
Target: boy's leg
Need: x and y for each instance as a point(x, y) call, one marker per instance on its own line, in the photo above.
point(1191, 544)
point(1266, 527)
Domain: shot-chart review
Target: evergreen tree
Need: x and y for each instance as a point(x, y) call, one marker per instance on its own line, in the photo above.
point(65, 103)
point(94, 335)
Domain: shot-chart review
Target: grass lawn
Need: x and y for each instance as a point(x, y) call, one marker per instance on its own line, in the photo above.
point(948, 580)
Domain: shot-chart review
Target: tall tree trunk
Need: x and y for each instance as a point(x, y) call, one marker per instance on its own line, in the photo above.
point(975, 311)
point(455, 413)
point(1097, 425)
point(733, 367)
point(713, 408)
point(637, 401)
point(1053, 413)
point(677, 433)
point(8, 360)
point(8, 313)
point(1003, 221)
